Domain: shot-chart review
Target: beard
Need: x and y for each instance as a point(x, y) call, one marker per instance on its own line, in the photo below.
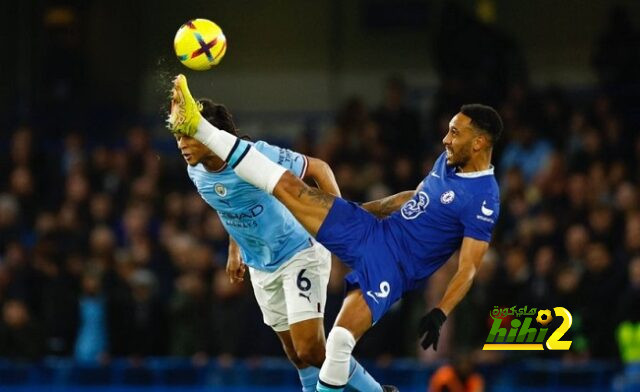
point(461, 157)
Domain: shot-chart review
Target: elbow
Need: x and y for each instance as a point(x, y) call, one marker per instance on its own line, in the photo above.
point(318, 170)
point(317, 167)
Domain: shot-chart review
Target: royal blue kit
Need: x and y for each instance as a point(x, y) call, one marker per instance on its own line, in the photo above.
point(396, 254)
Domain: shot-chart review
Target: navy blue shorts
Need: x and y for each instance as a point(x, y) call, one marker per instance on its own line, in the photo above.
point(357, 238)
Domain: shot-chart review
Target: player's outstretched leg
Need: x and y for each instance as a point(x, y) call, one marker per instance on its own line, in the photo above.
point(309, 205)
point(339, 367)
point(307, 372)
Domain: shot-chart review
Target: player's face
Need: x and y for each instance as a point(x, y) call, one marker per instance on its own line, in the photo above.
point(191, 149)
point(458, 140)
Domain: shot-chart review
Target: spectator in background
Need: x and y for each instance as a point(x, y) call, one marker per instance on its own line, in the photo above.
point(10, 229)
point(517, 275)
point(101, 210)
point(190, 315)
point(460, 376)
point(146, 323)
point(631, 237)
point(92, 342)
point(576, 240)
point(20, 336)
point(23, 186)
point(57, 298)
point(540, 291)
point(567, 285)
point(525, 152)
point(600, 283)
point(73, 158)
point(346, 141)
point(399, 125)
point(628, 318)
point(231, 315)
point(22, 275)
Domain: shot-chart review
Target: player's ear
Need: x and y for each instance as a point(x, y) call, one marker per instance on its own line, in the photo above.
point(486, 141)
point(480, 142)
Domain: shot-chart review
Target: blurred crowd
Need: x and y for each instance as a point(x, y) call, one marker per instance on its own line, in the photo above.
point(107, 250)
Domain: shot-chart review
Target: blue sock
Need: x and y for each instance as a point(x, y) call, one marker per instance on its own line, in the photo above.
point(360, 379)
point(309, 378)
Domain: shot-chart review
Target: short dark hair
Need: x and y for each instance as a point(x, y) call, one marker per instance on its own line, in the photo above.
point(218, 115)
point(484, 118)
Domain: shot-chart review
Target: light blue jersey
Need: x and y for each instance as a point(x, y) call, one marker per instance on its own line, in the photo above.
point(266, 232)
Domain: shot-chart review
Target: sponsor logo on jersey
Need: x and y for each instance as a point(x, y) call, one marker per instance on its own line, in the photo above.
point(251, 213)
point(486, 211)
point(447, 197)
point(433, 173)
point(414, 207)
point(220, 189)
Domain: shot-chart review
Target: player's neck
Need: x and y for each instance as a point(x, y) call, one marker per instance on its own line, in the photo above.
point(213, 164)
point(479, 163)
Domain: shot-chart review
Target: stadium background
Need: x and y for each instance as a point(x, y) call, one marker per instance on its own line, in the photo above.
point(97, 215)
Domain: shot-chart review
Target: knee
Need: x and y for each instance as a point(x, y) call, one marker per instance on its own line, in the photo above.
point(340, 342)
point(295, 359)
point(311, 352)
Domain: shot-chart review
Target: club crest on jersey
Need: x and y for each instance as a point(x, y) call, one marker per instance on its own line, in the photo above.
point(220, 189)
point(413, 208)
point(447, 197)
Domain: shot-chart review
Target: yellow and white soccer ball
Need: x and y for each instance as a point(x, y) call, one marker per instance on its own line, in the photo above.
point(200, 44)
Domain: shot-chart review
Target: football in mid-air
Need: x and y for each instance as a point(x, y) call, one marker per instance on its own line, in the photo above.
point(200, 44)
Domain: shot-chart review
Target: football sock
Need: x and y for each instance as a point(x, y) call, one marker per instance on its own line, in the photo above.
point(334, 373)
point(360, 379)
point(248, 163)
point(328, 388)
point(308, 378)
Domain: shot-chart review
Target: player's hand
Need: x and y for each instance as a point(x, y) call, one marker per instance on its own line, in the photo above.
point(235, 268)
point(429, 328)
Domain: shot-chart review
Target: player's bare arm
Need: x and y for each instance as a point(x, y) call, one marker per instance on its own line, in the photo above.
point(235, 266)
point(471, 253)
point(320, 172)
point(388, 205)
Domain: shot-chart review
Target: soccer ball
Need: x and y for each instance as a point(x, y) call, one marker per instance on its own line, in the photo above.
point(200, 44)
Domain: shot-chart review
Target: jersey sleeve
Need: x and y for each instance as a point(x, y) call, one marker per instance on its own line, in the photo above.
point(295, 162)
point(479, 216)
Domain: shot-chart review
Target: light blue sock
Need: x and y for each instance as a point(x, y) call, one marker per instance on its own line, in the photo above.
point(309, 378)
point(360, 379)
point(325, 388)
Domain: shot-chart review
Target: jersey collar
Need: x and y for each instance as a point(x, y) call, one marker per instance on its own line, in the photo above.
point(475, 174)
point(222, 168)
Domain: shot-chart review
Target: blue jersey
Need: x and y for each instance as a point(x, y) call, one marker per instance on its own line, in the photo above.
point(266, 232)
point(393, 255)
point(447, 206)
